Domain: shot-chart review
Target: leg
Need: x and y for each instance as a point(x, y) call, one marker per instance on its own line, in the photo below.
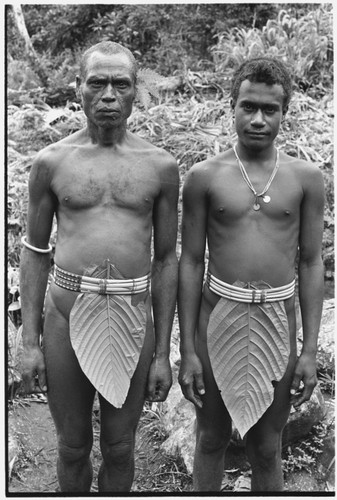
point(214, 429)
point(264, 439)
point(118, 427)
point(70, 398)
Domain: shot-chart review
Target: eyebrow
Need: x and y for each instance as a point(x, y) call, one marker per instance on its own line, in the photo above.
point(275, 105)
point(117, 77)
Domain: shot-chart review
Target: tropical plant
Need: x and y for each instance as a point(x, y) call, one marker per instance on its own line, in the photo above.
point(305, 44)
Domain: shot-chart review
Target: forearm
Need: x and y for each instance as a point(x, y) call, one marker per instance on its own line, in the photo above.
point(311, 291)
point(34, 271)
point(189, 297)
point(164, 286)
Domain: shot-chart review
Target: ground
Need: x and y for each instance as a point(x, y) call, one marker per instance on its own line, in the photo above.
point(34, 452)
point(32, 448)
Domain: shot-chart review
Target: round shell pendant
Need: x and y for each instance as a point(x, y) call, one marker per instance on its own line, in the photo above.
point(256, 206)
point(266, 199)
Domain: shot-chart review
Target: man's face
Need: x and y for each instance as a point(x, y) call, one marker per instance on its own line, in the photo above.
point(258, 114)
point(107, 89)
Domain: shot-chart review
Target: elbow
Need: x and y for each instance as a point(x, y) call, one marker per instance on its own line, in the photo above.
point(193, 265)
point(310, 261)
point(168, 260)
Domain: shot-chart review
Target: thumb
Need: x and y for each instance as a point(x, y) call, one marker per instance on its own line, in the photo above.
point(295, 384)
point(151, 386)
point(199, 383)
point(42, 380)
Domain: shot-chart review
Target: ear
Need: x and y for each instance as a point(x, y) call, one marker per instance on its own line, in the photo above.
point(78, 87)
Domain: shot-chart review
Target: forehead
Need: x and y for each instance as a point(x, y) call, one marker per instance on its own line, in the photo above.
point(261, 92)
point(109, 64)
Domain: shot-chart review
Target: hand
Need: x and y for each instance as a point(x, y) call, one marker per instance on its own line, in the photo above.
point(34, 365)
point(304, 379)
point(191, 379)
point(160, 379)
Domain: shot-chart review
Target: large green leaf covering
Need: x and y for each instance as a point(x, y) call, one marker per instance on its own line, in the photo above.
point(107, 334)
point(249, 349)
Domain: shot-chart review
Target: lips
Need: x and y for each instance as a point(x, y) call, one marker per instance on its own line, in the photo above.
point(257, 134)
point(108, 111)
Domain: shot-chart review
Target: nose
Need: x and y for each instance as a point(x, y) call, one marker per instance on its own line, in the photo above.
point(258, 118)
point(109, 93)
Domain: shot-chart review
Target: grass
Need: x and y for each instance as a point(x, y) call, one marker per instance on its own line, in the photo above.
point(155, 471)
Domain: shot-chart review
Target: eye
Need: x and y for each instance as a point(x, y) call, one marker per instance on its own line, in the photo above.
point(248, 107)
point(96, 83)
point(122, 85)
point(270, 111)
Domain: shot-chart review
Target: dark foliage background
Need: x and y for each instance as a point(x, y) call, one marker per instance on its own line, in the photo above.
point(196, 47)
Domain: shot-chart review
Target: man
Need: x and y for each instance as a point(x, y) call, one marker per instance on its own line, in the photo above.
point(257, 206)
point(108, 189)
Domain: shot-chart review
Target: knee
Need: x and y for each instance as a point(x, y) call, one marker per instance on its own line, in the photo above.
point(265, 452)
point(74, 452)
point(213, 440)
point(118, 453)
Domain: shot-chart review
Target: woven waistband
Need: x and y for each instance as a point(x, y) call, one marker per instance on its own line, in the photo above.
point(250, 295)
point(105, 286)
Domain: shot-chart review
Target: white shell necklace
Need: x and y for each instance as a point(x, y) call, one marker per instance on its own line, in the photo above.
point(265, 198)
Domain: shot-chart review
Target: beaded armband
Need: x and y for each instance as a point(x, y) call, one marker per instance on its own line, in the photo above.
point(35, 249)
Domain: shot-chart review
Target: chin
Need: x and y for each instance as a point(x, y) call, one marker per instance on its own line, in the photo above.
point(107, 124)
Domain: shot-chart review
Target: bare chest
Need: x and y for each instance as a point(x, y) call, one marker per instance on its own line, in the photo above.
point(232, 200)
point(87, 183)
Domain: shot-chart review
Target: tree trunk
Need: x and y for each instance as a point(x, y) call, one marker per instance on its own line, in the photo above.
point(29, 49)
point(21, 25)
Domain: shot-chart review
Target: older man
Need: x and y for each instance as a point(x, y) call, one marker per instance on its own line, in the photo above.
point(109, 190)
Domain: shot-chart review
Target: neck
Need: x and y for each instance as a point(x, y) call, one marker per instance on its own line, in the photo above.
point(106, 136)
point(255, 155)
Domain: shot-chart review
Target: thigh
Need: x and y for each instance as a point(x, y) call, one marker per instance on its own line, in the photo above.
point(274, 419)
point(213, 412)
point(70, 393)
point(117, 423)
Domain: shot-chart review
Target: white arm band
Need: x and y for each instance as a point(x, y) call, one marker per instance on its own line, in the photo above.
point(35, 249)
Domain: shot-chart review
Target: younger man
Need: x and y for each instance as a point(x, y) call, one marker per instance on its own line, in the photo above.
point(259, 210)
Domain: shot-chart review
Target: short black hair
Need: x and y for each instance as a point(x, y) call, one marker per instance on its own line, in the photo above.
point(107, 48)
point(266, 70)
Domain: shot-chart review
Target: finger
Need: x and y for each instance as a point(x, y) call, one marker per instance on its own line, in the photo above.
point(42, 381)
point(161, 395)
point(28, 383)
point(151, 389)
point(199, 384)
point(193, 397)
point(295, 385)
point(303, 394)
point(299, 401)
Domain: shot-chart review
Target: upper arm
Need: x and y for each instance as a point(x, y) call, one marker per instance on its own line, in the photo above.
point(165, 210)
point(312, 213)
point(41, 204)
point(194, 220)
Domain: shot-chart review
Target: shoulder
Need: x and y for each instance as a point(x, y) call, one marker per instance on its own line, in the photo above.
point(53, 153)
point(308, 173)
point(202, 173)
point(143, 146)
point(162, 160)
